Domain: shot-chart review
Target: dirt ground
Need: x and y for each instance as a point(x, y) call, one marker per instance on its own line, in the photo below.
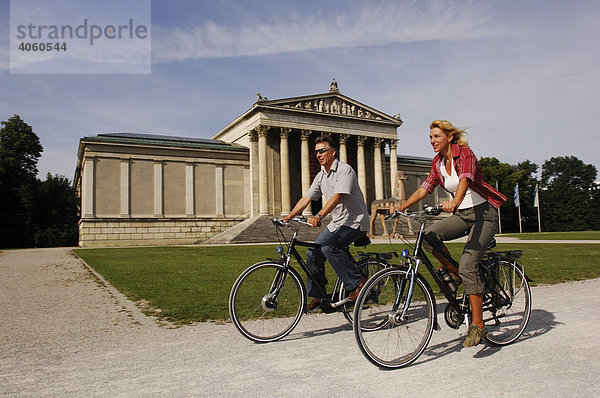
point(63, 332)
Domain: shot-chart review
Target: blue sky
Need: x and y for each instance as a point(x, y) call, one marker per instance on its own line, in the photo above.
point(523, 76)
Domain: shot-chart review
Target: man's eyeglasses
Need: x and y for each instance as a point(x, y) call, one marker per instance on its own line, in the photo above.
point(321, 151)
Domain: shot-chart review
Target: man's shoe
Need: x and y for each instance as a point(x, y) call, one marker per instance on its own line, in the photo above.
point(313, 305)
point(474, 335)
point(354, 294)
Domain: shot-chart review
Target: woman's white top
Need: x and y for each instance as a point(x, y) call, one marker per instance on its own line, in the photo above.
point(471, 199)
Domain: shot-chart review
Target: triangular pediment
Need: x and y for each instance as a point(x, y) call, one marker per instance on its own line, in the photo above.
point(334, 104)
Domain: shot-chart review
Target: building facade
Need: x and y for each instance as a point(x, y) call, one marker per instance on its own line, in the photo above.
point(139, 189)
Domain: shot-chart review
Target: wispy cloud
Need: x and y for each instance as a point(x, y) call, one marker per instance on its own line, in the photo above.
point(370, 25)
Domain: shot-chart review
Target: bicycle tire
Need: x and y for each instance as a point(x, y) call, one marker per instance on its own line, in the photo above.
point(368, 267)
point(384, 339)
point(256, 313)
point(506, 321)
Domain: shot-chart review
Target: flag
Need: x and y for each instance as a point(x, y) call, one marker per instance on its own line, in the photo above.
point(536, 197)
point(517, 202)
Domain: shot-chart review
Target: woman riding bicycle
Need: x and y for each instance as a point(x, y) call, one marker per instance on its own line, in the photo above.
point(473, 207)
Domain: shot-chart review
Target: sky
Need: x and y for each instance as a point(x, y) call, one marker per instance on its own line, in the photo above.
point(522, 76)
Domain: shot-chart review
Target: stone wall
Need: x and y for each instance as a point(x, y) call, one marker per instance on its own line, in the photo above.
point(150, 232)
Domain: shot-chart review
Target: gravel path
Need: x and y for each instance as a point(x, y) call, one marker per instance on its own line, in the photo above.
point(65, 333)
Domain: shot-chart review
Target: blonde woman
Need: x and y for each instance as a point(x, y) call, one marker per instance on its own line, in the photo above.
point(473, 206)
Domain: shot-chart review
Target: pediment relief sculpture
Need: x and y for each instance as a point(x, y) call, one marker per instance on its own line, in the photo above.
point(332, 103)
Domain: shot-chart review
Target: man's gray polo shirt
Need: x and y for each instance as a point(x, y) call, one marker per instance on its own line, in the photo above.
point(352, 210)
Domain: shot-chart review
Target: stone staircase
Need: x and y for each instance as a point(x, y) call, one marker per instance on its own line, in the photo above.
point(260, 229)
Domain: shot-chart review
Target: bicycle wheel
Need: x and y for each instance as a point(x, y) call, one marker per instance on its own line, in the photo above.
point(368, 267)
point(508, 307)
point(386, 337)
point(258, 310)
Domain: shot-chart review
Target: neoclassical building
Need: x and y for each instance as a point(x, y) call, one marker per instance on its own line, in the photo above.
point(141, 189)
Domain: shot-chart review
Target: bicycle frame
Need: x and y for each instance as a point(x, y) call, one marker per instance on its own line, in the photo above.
point(292, 252)
point(417, 258)
point(459, 304)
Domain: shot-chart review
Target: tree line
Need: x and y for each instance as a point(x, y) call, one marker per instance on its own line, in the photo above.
point(569, 198)
point(33, 213)
point(36, 213)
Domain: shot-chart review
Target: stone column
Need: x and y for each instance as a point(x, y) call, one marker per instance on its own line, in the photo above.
point(393, 168)
point(253, 136)
point(419, 182)
point(124, 187)
point(219, 191)
point(189, 190)
point(263, 180)
point(360, 165)
point(343, 151)
point(305, 166)
point(378, 167)
point(87, 188)
point(158, 189)
point(436, 197)
point(285, 171)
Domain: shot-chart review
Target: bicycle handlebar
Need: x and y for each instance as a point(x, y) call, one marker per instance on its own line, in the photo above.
point(427, 210)
point(301, 220)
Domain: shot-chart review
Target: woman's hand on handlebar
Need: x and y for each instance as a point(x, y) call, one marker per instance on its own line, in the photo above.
point(399, 209)
point(449, 206)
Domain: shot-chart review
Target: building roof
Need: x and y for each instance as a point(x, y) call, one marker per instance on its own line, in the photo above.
point(164, 140)
point(153, 140)
point(414, 160)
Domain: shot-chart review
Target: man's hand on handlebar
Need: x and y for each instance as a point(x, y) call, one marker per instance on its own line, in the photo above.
point(284, 221)
point(313, 221)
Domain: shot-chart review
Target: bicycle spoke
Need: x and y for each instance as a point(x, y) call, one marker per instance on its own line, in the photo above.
point(258, 314)
point(512, 308)
point(368, 268)
point(386, 336)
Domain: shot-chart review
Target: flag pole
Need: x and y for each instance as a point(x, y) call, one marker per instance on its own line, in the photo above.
point(536, 203)
point(518, 205)
point(539, 221)
point(520, 227)
point(499, 219)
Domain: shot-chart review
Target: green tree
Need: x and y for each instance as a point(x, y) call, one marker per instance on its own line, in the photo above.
point(56, 215)
point(507, 177)
point(567, 198)
point(594, 215)
point(20, 150)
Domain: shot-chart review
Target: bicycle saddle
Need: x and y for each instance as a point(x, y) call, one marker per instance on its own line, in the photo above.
point(362, 241)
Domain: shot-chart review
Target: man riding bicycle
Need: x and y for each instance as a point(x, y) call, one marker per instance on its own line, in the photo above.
point(337, 182)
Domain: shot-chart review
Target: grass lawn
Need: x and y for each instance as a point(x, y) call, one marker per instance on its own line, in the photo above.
point(574, 235)
point(191, 284)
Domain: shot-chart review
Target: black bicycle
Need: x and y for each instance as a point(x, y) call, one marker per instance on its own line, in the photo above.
point(395, 313)
point(268, 299)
